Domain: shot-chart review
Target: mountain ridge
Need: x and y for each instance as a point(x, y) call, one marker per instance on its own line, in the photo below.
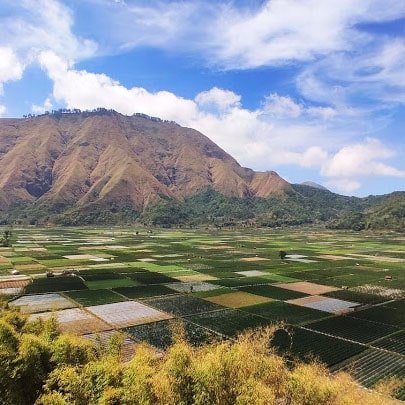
point(103, 157)
point(102, 167)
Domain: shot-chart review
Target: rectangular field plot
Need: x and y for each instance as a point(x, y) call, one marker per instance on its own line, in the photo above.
point(229, 322)
point(181, 305)
point(129, 313)
point(351, 295)
point(238, 299)
point(306, 344)
point(358, 330)
point(278, 311)
point(240, 282)
point(192, 287)
point(94, 297)
point(251, 273)
point(325, 304)
point(75, 320)
point(160, 334)
point(307, 288)
point(151, 278)
point(101, 340)
point(253, 259)
point(14, 282)
point(144, 291)
point(43, 285)
point(271, 291)
point(394, 343)
point(373, 366)
point(390, 314)
point(110, 283)
point(30, 304)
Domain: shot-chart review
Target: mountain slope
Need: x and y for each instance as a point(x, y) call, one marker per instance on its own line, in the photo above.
point(103, 157)
point(103, 167)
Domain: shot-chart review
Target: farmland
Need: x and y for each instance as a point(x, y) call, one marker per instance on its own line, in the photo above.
point(340, 296)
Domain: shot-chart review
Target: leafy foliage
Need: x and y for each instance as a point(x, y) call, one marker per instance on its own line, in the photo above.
point(38, 365)
point(306, 205)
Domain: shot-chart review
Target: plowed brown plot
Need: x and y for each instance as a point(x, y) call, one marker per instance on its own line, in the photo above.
point(238, 299)
point(253, 259)
point(75, 321)
point(29, 266)
point(20, 283)
point(129, 313)
point(307, 288)
point(30, 304)
point(4, 260)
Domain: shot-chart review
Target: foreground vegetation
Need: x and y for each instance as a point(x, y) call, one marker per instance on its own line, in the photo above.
point(41, 366)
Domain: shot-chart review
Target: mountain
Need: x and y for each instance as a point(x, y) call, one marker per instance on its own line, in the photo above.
point(314, 185)
point(82, 159)
point(76, 168)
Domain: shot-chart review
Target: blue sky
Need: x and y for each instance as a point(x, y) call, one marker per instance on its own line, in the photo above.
point(313, 89)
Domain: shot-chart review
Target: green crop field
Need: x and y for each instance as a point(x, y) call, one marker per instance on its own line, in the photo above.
point(141, 281)
point(94, 297)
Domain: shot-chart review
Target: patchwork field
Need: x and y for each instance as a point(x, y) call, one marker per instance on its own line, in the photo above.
point(337, 296)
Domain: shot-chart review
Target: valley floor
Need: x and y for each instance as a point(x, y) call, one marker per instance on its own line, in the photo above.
point(339, 295)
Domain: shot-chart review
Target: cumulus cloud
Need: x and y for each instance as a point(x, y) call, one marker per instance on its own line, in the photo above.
point(362, 159)
point(40, 109)
point(3, 109)
point(255, 137)
point(10, 66)
point(345, 186)
point(219, 99)
point(29, 27)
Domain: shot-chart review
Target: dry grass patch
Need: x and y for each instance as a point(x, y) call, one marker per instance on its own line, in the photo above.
point(334, 257)
point(197, 277)
point(307, 287)
point(238, 299)
point(29, 267)
point(4, 260)
point(379, 258)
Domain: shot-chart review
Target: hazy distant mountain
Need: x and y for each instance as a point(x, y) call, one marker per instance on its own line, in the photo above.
point(313, 184)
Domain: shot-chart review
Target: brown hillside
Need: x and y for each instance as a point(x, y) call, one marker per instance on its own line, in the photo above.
point(106, 157)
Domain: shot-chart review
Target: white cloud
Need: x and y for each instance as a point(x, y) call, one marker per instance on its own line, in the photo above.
point(219, 99)
point(33, 26)
point(29, 27)
point(10, 66)
point(361, 159)
point(40, 109)
point(3, 109)
point(254, 137)
point(345, 186)
point(282, 106)
point(84, 90)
